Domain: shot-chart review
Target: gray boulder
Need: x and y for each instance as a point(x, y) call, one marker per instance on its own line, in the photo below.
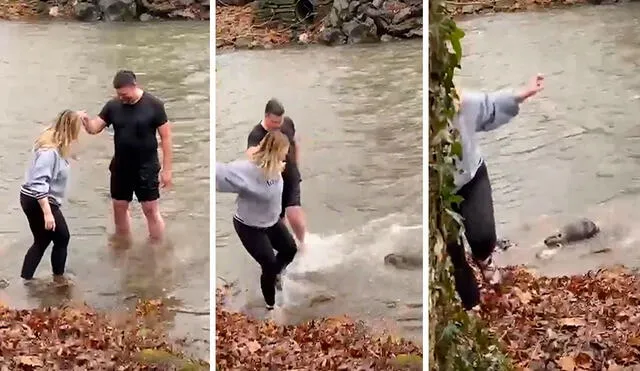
point(86, 12)
point(360, 32)
point(332, 36)
point(118, 10)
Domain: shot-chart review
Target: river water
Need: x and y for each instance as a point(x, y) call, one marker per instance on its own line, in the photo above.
point(49, 67)
point(358, 111)
point(575, 149)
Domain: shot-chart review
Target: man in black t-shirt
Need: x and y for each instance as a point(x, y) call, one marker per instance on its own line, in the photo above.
point(274, 119)
point(136, 116)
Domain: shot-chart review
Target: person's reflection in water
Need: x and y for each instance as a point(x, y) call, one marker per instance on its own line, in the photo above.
point(50, 294)
point(147, 271)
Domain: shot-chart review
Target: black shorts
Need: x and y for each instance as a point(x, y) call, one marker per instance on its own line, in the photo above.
point(141, 180)
point(290, 194)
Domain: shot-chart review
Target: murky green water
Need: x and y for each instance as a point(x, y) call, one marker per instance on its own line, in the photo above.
point(49, 67)
point(574, 150)
point(358, 111)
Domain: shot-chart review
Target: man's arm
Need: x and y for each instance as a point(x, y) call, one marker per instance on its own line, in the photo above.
point(97, 124)
point(167, 146)
point(94, 125)
point(296, 145)
point(296, 139)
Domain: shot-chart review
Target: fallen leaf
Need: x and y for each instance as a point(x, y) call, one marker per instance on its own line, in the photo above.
point(567, 363)
point(573, 322)
point(253, 346)
point(32, 361)
point(634, 341)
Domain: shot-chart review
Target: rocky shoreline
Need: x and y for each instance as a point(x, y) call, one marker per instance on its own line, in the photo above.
point(105, 10)
point(469, 8)
point(266, 24)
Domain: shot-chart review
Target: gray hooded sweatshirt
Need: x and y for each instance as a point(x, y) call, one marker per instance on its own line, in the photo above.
point(480, 112)
point(259, 200)
point(47, 176)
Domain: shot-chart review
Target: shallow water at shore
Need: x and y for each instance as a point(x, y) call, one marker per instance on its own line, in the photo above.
point(50, 67)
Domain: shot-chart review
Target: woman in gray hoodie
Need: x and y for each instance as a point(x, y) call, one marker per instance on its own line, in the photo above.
point(43, 192)
point(480, 112)
point(258, 184)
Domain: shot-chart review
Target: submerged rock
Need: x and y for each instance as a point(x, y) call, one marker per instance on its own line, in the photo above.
point(404, 261)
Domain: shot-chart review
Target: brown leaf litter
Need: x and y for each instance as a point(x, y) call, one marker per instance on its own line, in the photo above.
point(324, 344)
point(586, 322)
point(79, 338)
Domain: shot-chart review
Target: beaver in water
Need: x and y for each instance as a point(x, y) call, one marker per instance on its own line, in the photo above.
point(578, 230)
point(402, 261)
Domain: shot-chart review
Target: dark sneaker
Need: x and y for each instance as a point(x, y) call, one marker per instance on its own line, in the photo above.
point(269, 307)
point(490, 272)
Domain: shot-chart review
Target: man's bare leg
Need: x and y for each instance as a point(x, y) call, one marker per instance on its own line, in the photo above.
point(122, 219)
point(296, 218)
point(155, 223)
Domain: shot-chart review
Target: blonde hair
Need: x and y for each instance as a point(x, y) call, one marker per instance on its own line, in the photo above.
point(61, 134)
point(270, 151)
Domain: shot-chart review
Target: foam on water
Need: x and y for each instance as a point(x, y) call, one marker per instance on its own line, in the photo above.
point(362, 247)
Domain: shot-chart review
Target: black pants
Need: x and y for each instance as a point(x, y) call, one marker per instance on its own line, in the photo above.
point(260, 243)
point(42, 238)
point(137, 177)
point(480, 231)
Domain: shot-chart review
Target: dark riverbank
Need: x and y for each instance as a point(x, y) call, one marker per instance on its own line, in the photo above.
point(104, 10)
point(269, 24)
point(461, 9)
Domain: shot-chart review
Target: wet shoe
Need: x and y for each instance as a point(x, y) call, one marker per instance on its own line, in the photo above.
point(62, 281)
point(490, 272)
point(474, 312)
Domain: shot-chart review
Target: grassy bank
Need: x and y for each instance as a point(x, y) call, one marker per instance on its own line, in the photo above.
point(585, 322)
point(71, 338)
point(324, 344)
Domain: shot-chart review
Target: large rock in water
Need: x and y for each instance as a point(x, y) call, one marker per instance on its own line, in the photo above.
point(86, 12)
point(118, 10)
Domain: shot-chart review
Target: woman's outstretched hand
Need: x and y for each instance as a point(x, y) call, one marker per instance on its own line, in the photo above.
point(532, 88)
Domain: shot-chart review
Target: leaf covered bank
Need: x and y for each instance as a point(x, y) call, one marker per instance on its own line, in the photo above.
point(79, 338)
point(324, 344)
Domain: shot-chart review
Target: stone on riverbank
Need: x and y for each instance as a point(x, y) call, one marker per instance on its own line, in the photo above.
point(364, 21)
point(73, 338)
point(460, 8)
point(87, 12)
point(327, 344)
point(105, 10)
point(584, 322)
point(118, 10)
